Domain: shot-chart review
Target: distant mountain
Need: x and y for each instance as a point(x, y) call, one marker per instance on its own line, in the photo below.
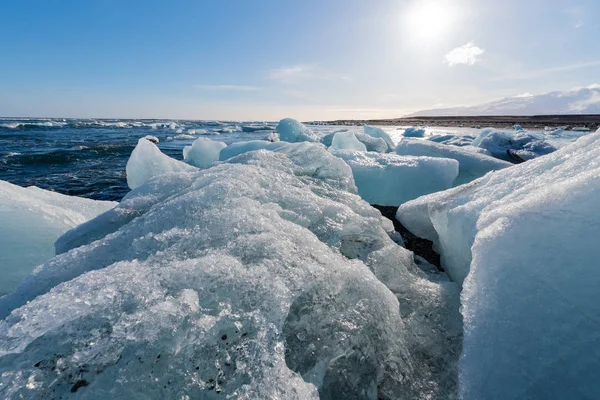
point(576, 101)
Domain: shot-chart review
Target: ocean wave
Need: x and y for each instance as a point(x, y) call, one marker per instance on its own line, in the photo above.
point(32, 125)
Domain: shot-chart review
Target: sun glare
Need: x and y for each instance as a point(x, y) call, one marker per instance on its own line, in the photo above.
point(427, 20)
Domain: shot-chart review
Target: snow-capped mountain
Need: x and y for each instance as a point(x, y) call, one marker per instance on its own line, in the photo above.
point(576, 101)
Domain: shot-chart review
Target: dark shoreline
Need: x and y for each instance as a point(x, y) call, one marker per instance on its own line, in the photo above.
point(537, 121)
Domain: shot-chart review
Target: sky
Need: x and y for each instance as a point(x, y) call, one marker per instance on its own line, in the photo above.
point(270, 59)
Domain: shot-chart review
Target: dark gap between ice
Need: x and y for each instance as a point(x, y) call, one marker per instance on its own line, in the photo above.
point(419, 246)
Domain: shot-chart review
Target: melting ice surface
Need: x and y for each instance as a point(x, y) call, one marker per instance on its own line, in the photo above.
point(525, 241)
point(263, 277)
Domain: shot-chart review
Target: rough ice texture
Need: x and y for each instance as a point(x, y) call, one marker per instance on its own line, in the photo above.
point(390, 180)
point(147, 161)
point(513, 146)
point(414, 132)
point(377, 132)
point(262, 277)
point(31, 219)
point(203, 152)
point(472, 165)
point(526, 239)
point(238, 148)
point(346, 141)
point(290, 130)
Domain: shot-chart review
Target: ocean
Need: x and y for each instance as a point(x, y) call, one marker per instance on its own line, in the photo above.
point(87, 157)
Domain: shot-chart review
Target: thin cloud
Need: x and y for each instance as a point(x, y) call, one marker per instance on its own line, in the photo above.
point(537, 73)
point(302, 72)
point(467, 54)
point(241, 88)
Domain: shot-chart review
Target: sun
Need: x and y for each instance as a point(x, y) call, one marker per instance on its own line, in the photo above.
point(428, 20)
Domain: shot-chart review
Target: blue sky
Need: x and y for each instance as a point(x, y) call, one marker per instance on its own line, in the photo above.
point(306, 59)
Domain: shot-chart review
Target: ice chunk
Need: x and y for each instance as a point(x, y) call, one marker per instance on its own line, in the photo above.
point(255, 128)
point(291, 131)
point(31, 220)
point(372, 143)
point(377, 132)
point(346, 141)
point(243, 147)
point(517, 127)
point(500, 144)
point(272, 137)
point(472, 165)
point(262, 277)
point(151, 138)
point(525, 238)
point(414, 132)
point(390, 180)
point(203, 152)
point(328, 138)
point(147, 161)
point(531, 150)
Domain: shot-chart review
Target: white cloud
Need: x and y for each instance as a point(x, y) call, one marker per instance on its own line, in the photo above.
point(242, 88)
point(467, 55)
point(522, 95)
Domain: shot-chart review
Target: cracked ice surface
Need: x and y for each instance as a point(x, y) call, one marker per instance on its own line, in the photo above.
point(265, 276)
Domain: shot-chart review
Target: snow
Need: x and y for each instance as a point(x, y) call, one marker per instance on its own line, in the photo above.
point(576, 101)
point(506, 145)
point(235, 149)
point(524, 240)
point(292, 131)
point(414, 132)
point(390, 180)
point(203, 152)
point(472, 165)
point(377, 132)
point(346, 141)
point(32, 219)
point(147, 161)
point(262, 277)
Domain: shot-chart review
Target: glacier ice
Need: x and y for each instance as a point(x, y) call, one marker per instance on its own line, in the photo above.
point(524, 240)
point(262, 277)
point(290, 130)
point(346, 141)
point(414, 132)
point(203, 152)
point(147, 161)
point(376, 132)
point(390, 180)
point(472, 165)
point(31, 220)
